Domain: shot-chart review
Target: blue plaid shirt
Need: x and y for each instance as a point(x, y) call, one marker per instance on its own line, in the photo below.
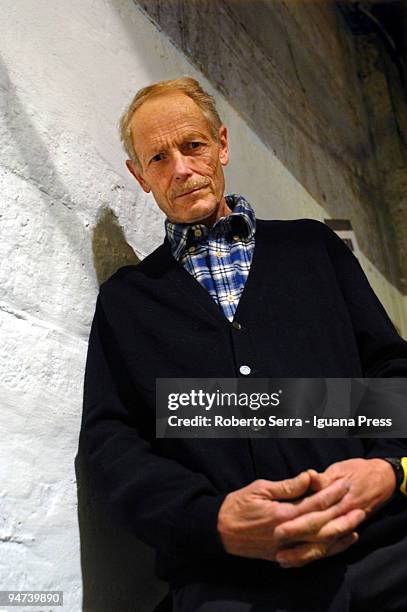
point(218, 257)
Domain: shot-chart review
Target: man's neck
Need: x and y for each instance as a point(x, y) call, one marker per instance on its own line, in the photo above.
point(222, 210)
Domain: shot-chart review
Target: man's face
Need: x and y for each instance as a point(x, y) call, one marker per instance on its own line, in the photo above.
point(181, 164)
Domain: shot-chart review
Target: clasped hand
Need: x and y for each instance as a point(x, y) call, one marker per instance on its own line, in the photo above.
point(302, 519)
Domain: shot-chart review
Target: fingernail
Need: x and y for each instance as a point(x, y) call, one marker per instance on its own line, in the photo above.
point(281, 559)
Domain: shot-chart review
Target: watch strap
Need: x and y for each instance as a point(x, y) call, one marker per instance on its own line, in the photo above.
point(403, 486)
point(399, 465)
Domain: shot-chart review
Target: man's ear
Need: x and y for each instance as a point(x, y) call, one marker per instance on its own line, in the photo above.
point(224, 145)
point(135, 171)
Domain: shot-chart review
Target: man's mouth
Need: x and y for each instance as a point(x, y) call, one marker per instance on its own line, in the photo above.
point(191, 191)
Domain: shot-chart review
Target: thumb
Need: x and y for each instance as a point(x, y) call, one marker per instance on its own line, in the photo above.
point(319, 480)
point(291, 488)
point(316, 480)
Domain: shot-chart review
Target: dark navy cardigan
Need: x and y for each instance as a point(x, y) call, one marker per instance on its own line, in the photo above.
point(307, 310)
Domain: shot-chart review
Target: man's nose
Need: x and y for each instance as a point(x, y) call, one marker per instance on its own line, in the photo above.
point(181, 168)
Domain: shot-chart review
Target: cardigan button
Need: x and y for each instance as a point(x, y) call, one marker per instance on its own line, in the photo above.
point(236, 325)
point(245, 370)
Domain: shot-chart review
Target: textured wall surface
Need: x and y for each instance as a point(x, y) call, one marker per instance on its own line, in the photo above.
point(70, 215)
point(328, 103)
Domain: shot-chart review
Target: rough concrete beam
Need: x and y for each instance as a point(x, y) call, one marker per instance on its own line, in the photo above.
point(291, 69)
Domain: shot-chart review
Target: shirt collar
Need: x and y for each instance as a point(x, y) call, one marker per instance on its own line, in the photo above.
point(241, 220)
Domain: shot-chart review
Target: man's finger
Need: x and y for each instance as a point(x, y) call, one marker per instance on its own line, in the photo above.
point(342, 524)
point(343, 544)
point(316, 480)
point(306, 553)
point(291, 488)
point(321, 480)
point(324, 499)
point(319, 526)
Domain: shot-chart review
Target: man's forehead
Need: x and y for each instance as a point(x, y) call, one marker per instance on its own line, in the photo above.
point(166, 110)
point(165, 117)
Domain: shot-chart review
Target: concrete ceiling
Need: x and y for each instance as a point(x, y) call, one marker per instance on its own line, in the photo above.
point(387, 17)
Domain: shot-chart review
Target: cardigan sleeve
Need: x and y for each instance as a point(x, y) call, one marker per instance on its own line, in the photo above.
point(162, 502)
point(383, 353)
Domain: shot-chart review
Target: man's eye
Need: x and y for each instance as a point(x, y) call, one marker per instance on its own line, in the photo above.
point(157, 157)
point(195, 145)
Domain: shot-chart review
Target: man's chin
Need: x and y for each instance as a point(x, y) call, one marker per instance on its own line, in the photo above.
point(199, 211)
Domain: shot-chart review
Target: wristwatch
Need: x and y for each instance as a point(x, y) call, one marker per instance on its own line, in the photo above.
point(399, 465)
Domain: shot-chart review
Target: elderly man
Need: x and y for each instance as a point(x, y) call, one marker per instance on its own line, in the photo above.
point(240, 524)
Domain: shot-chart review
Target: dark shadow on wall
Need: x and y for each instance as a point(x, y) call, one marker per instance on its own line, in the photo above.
point(109, 246)
point(117, 569)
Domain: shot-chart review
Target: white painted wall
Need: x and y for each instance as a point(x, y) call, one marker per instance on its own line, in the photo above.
point(67, 70)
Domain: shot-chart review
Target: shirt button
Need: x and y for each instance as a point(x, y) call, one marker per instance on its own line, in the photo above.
point(245, 369)
point(219, 254)
point(230, 298)
point(198, 233)
point(191, 249)
point(236, 237)
point(236, 325)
